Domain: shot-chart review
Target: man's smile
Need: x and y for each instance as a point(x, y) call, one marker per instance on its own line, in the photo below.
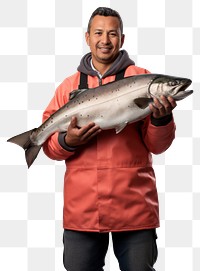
point(104, 49)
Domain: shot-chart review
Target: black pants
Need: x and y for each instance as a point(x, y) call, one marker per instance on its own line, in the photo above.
point(86, 251)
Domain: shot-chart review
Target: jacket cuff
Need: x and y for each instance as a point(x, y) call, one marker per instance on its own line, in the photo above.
point(61, 141)
point(161, 121)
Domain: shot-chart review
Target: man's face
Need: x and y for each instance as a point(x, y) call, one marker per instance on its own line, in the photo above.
point(105, 39)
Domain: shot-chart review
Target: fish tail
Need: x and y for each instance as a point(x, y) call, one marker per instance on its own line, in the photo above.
point(24, 141)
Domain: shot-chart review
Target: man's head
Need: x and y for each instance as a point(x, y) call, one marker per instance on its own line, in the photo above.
point(104, 11)
point(104, 37)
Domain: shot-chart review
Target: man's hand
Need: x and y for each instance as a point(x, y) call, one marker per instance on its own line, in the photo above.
point(78, 136)
point(163, 107)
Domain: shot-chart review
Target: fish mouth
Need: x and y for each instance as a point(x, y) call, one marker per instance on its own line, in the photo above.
point(182, 91)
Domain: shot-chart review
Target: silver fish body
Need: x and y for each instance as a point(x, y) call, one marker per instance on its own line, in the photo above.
point(111, 106)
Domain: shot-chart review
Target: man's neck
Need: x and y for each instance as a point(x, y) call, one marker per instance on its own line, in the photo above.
point(100, 68)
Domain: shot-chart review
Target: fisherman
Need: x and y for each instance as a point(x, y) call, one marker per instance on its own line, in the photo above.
point(109, 184)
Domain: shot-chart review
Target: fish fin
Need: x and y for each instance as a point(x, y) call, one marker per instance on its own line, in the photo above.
point(120, 127)
point(31, 150)
point(75, 93)
point(143, 102)
point(31, 153)
point(23, 140)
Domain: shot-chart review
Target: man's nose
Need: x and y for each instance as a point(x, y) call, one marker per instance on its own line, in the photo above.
point(105, 38)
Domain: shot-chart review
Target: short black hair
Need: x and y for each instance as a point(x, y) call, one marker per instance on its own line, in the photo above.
point(104, 11)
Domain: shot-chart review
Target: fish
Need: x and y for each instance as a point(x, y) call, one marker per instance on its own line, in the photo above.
point(111, 106)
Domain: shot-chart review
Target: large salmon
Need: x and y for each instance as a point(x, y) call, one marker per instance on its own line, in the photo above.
point(111, 106)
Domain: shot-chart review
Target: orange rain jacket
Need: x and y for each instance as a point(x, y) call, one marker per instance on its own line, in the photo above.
point(109, 184)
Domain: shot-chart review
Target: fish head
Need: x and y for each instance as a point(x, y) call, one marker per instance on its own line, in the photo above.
point(166, 85)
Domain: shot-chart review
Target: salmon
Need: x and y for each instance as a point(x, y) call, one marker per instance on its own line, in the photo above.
point(111, 106)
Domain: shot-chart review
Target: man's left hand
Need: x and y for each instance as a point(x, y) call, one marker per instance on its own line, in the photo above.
point(163, 107)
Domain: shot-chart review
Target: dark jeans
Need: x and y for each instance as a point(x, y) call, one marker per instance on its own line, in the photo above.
point(86, 251)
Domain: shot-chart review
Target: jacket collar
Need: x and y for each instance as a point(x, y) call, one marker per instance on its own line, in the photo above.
point(120, 63)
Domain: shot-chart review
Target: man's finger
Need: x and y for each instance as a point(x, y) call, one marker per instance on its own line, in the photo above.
point(172, 102)
point(91, 132)
point(73, 122)
point(86, 128)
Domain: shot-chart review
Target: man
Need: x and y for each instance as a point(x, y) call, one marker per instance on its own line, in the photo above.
point(109, 184)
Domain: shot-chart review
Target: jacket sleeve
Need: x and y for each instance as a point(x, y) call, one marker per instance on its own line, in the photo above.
point(158, 134)
point(51, 147)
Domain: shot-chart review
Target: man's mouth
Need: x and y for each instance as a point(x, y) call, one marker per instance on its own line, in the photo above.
point(105, 49)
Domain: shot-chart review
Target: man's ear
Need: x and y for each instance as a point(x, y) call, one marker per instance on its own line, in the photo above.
point(87, 38)
point(122, 40)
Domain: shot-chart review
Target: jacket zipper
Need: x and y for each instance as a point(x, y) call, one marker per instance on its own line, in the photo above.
point(100, 81)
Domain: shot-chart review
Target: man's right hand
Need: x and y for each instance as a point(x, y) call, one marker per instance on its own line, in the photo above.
point(77, 136)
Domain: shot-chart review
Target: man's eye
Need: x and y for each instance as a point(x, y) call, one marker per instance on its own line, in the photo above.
point(98, 33)
point(113, 34)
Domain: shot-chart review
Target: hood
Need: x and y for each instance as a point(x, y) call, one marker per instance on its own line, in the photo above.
point(120, 63)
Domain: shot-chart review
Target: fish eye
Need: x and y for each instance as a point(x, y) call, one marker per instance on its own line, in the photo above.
point(173, 83)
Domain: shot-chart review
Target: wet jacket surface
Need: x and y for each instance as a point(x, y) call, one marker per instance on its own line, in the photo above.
point(109, 184)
